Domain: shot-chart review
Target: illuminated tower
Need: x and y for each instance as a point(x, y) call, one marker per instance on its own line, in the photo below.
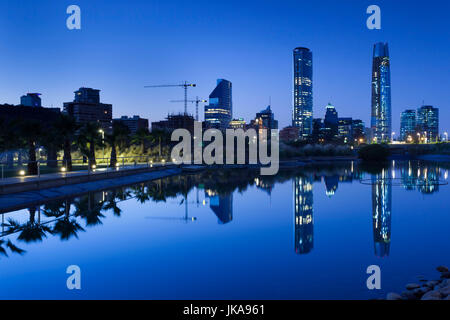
point(381, 120)
point(302, 113)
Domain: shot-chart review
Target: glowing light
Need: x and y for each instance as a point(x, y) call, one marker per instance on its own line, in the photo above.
point(22, 172)
point(63, 169)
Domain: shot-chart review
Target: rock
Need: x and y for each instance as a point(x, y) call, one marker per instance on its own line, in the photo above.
point(445, 291)
point(442, 269)
point(412, 286)
point(393, 296)
point(432, 283)
point(447, 298)
point(432, 295)
point(445, 275)
point(409, 295)
point(419, 292)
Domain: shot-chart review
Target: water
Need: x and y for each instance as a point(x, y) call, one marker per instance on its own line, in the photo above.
point(305, 234)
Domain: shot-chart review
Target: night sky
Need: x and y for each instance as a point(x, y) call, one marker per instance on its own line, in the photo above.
point(125, 45)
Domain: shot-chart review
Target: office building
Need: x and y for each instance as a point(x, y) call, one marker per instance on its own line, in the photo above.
point(381, 93)
point(31, 100)
point(219, 111)
point(86, 108)
point(408, 125)
point(428, 123)
point(302, 113)
point(134, 123)
point(175, 121)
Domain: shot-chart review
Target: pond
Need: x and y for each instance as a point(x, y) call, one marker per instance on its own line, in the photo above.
point(309, 233)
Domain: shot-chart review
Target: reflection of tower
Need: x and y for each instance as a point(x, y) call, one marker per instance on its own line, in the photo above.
point(303, 210)
point(331, 183)
point(381, 210)
point(221, 205)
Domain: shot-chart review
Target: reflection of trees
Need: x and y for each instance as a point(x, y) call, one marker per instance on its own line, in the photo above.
point(89, 209)
point(67, 227)
point(33, 231)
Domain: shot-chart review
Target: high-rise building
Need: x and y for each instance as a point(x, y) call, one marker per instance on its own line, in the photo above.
point(134, 123)
point(86, 108)
point(264, 120)
point(238, 124)
point(381, 93)
point(175, 121)
point(358, 130)
point(31, 100)
point(428, 123)
point(408, 125)
point(345, 130)
point(330, 123)
point(219, 111)
point(302, 113)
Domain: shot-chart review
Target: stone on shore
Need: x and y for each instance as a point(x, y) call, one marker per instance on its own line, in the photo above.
point(442, 269)
point(445, 290)
point(393, 296)
point(432, 295)
point(432, 283)
point(409, 295)
point(412, 286)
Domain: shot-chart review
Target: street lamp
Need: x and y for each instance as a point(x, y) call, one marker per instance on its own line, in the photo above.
point(392, 136)
point(418, 135)
point(103, 142)
point(446, 136)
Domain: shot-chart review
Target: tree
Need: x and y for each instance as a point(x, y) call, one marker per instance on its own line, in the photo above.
point(159, 137)
point(118, 136)
point(31, 131)
point(142, 137)
point(66, 128)
point(88, 138)
point(9, 139)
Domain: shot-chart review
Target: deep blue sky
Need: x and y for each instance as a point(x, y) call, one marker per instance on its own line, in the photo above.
point(124, 45)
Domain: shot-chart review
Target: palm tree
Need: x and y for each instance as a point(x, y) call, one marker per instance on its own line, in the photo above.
point(90, 210)
point(9, 139)
point(87, 139)
point(33, 231)
point(31, 131)
point(11, 247)
point(119, 136)
point(66, 227)
point(159, 137)
point(67, 129)
point(141, 138)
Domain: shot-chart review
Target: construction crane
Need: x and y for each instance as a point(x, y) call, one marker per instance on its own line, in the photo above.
point(185, 85)
point(196, 101)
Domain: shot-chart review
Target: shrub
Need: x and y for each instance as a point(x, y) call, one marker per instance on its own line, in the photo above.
point(374, 153)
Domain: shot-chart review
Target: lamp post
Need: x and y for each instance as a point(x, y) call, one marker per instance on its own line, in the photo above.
point(103, 142)
point(418, 134)
point(392, 136)
point(446, 136)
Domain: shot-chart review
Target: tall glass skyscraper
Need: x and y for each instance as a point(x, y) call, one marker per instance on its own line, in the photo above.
point(219, 111)
point(428, 123)
point(302, 113)
point(381, 93)
point(408, 125)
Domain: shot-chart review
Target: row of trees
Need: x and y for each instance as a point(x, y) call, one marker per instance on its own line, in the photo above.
point(66, 136)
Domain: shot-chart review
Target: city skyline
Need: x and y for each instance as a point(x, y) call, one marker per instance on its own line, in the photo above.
point(122, 72)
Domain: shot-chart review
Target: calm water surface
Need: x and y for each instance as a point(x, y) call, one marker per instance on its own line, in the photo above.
point(304, 234)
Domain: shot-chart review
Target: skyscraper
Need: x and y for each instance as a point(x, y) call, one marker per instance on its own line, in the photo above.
point(302, 113)
point(428, 123)
point(408, 125)
point(381, 93)
point(219, 111)
point(330, 123)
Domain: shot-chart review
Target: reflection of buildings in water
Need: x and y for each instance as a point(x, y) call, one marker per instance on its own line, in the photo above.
point(264, 185)
point(425, 177)
point(303, 210)
point(221, 205)
point(331, 184)
point(381, 210)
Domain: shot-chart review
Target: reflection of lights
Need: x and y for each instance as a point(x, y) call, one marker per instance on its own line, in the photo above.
point(446, 174)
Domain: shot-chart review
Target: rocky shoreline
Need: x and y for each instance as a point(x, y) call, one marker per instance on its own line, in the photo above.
point(427, 289)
